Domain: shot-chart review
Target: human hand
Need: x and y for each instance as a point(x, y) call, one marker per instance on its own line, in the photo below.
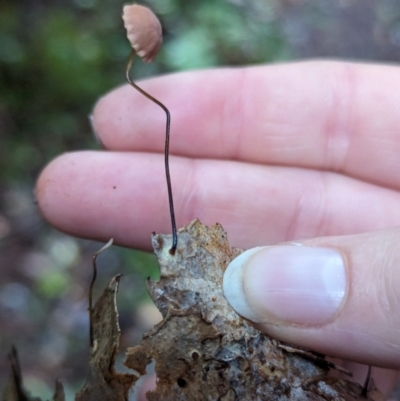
point(275, 153)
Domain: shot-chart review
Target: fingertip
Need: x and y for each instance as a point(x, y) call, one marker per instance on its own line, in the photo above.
point(233, 287)
point(57, 187)
point(108, 117)
point(288, 284)
point(45, 189)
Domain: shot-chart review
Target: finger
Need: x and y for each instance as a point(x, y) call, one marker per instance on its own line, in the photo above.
point(327, 115)
point(336, 295)
point(149, 383)
point(124, 196)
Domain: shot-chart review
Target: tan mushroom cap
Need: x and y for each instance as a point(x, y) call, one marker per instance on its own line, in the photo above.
point(143, 30)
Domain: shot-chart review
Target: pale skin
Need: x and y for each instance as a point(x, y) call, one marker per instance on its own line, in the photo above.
point(306, 152)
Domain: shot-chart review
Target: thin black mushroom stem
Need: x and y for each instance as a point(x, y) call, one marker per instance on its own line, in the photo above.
point(364, 391)
point(166, 151)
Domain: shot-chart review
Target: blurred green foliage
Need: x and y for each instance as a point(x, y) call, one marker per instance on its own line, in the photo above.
point(55, 61)
point(57, 58)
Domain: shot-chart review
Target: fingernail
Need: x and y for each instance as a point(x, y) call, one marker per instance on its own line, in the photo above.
point(286, 283)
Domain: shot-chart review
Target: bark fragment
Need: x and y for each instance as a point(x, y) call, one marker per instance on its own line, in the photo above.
point(103, 383)
point(204, 350)
point(14, 389)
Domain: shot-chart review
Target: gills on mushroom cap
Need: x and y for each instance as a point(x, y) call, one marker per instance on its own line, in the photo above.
point(143, 30)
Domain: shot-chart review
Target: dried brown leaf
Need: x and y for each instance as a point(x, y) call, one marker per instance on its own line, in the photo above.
point(59, 394)
point(205, 351)
point(14, 389)
point(103, 383)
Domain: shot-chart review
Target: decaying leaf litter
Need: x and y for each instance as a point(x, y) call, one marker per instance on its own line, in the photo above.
point(203, 350)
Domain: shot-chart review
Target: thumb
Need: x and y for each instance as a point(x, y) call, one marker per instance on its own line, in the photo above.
point(336, 295)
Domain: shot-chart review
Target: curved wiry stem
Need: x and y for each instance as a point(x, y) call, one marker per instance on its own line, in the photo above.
point(94, 257)
point(166, 152)
point(364, 391)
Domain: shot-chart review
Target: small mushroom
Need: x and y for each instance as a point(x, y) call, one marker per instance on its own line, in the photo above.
point(145, 34)
point(143, 30)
